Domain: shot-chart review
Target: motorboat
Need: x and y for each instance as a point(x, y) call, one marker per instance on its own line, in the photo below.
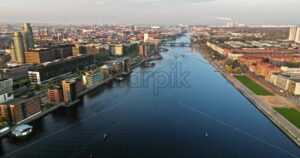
point(120, 78)
point(22, 130)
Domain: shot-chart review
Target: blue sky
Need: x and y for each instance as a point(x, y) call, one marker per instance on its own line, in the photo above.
point(250, 12)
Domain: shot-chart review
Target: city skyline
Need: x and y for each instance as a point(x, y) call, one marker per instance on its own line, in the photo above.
point(149, 78)
point(160, 12)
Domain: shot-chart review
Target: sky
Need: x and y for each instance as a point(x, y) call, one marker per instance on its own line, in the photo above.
point(160, 12)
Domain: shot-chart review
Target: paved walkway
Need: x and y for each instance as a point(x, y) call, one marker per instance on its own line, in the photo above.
point(288, 128)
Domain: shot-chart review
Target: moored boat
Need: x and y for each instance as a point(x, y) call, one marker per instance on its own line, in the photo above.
point(120, 78)
point(22, 130)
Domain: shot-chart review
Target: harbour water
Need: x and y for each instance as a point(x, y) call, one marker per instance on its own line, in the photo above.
point(179, 108)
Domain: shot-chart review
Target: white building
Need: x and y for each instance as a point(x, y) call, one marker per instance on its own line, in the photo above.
point(286, 69)
point(294, 87)
point(117, 50)
point(34, 77)
point(288, 82)
point(230, 24)
point(146, 37)
point(6, 90)
point(293, 31)
point(91, 79)
point(297, 39)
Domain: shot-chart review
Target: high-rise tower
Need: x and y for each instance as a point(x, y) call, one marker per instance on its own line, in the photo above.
point(19, 48)
point(292, 35)
point(46, 32)
point(13, 53)
point(146, 37)
point(28, 37)
point(297, 39)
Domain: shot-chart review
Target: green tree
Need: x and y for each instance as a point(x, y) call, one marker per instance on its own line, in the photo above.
point(228, 68)
point(50, 84)
point(79, 73)
point(2, 120)
point(292, 64)
point(61, 78)
point(37, 87)
point(238, 70)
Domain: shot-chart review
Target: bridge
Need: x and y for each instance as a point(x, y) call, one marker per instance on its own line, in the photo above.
point(174, 44)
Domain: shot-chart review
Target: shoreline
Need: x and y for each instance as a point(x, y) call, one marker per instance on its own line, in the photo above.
point(32, 119)
point(63, 104)
point(284, 125)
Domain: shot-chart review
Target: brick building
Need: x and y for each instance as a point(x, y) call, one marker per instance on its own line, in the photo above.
point(71, 89)
point(19, 109)
point(55, 94)
point(62, 51)
point(39, 55)
point(248, 61)
point(264, 69)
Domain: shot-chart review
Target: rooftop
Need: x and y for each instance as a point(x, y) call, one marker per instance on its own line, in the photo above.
point(296, 80)
point(38, 50)
point(22, 127)
point(58, 61)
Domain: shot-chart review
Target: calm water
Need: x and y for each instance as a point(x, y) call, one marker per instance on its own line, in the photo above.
point(203, 117)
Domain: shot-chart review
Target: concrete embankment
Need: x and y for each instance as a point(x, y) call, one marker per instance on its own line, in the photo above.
point(284, 125)
point(96, 86)
point(136, 65)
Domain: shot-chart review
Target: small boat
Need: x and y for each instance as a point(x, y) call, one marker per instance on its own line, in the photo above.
point(175, 57)
point(22, 130)
point(147, 64)
point(182, 55)
point(120, 78)
point(105, 137)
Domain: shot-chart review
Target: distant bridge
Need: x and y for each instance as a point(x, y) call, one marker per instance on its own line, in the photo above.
point(174, 44)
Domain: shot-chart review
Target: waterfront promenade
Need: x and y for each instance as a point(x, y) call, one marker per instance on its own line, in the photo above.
point(288, 128)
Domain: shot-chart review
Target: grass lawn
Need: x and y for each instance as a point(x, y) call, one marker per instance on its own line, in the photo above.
point(290, 114)
point(253, 86)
